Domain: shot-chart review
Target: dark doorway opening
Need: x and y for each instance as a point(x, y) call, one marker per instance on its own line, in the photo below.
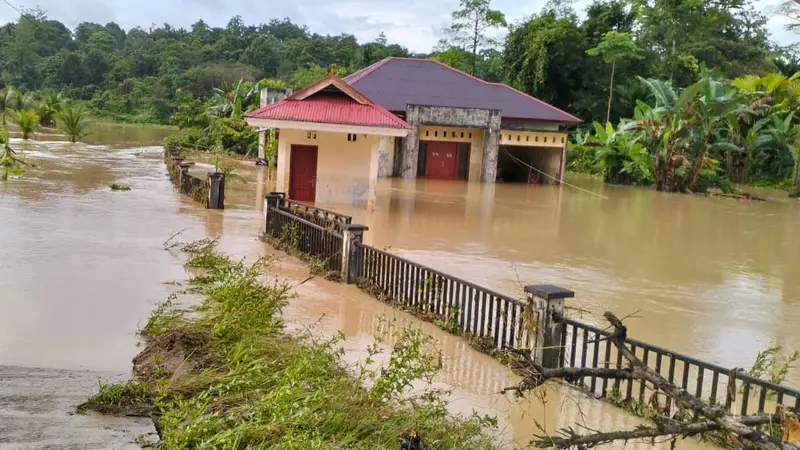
point(526, 164)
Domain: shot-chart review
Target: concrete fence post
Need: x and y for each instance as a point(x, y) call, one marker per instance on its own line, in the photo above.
point(352, 235)
point(547, 301)
point(271, 201)
point(216, 190)
point(181, 169)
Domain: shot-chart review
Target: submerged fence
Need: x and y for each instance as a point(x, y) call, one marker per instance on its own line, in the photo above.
point(498, 321)
point(210, 191)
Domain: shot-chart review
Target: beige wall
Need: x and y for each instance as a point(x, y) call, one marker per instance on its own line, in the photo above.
point(474, 136)
point(532, 139)
point(346, 171)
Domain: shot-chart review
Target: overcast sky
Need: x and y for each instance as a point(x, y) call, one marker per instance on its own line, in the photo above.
point(416, 24)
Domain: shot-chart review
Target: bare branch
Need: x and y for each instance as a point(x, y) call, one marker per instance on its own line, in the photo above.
point(718, 415)
point(572, 439)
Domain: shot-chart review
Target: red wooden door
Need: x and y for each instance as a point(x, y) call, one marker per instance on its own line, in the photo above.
point(303, 173)
point(442, 162)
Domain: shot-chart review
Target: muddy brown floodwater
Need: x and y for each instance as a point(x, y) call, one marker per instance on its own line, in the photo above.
point(82, 267)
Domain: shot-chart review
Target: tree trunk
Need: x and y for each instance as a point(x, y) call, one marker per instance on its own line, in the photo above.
point(797, 178)
point(475, 45)
point(610, 91)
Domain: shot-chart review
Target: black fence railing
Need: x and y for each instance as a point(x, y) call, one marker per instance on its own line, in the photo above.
point(294, 232)
point(322, 217)
point(504, 322)
point(583, 345)
point(460, 306)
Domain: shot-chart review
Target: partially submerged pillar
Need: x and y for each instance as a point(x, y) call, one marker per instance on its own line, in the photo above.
point(216, 190)
point(491, 148)
point(352, 259)
point(262, 135)
point(410, 153)
point(547, 303)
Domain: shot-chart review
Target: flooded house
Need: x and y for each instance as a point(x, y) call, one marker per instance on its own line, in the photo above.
point(410, 118)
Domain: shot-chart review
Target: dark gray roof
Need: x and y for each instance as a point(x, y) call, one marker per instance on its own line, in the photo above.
point(395, 83)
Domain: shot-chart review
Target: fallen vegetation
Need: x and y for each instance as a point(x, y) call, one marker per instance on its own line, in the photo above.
point(703, 419)
point(227, 374)
point(119, 187)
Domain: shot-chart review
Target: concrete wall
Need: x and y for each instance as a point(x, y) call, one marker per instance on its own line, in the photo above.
point(528, 125)
point(346, 171)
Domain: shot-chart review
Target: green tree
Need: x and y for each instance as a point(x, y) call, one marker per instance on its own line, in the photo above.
point(613, 48)
point(546, 57)
point(74, 120)
point(27, 121)
point(7, 96)
point(470, 25)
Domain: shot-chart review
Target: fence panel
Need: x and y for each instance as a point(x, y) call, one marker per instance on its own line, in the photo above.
point(319, 216)
point(314, 240)
point(585, 347)
point(457, 305)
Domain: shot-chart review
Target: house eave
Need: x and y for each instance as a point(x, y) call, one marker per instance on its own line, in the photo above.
point(329, 127)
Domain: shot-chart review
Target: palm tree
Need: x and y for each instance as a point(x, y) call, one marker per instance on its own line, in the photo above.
point(48, 107)
point(7, 95)
point(21, 101)
point(27, 121)
point(74, 120)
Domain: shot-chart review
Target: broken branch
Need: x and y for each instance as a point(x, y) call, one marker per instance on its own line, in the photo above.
point(723, 418)
point(572, 439)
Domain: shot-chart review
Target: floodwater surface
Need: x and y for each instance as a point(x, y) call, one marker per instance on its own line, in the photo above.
point(82, 266)
point(715, 278)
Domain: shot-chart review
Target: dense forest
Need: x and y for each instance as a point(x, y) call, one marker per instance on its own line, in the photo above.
point(614, 62)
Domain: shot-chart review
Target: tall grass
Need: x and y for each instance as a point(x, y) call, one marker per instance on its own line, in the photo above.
point(228, 375)
point(28, 122)
point(74, 120)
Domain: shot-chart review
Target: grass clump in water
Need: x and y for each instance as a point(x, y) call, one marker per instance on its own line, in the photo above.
point(119, 187)
point(123, 399)
point(229, 375)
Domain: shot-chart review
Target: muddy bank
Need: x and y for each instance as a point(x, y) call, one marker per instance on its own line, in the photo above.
point(37, 411)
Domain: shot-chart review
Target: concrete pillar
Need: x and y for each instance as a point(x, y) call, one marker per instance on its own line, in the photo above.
point(562, 171)
point(547, 302)
point(376, 153)
point(282, 169)
point(491, 148)
point(351, 258)
point(271, 201)
point(262, 135)
point(408, 169)
point(385, 156)
point(216, 191)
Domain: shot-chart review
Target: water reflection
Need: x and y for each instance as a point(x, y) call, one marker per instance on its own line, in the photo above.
point(716, 278)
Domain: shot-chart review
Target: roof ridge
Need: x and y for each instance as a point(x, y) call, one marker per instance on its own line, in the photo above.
point(505, 86)
point(369, 69)
point(536, 99)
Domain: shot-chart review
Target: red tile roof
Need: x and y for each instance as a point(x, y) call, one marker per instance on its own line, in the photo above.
point(330, 100)
point(395, 83)
point(334, 110)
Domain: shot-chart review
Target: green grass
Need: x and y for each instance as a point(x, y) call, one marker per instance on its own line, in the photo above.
point(227, 374)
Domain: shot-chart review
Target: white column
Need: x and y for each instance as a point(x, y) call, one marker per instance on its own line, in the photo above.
point(262, 135)
point(282, 170)
point(379, 145)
